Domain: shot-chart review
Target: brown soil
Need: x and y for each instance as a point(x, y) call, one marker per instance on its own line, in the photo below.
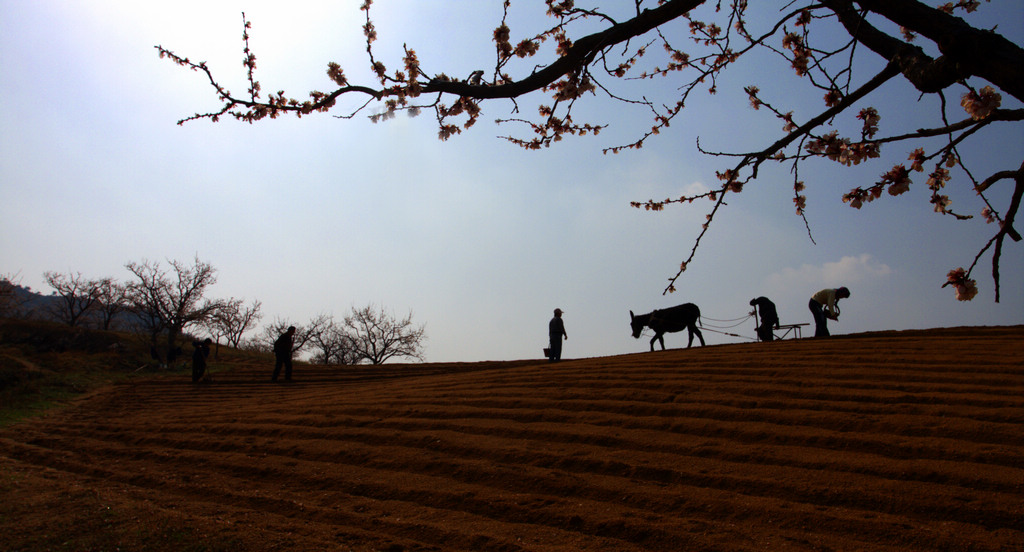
point(902, 441)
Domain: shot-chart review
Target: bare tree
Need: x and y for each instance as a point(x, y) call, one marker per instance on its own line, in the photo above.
point(256, 344)
point(333, 345)
point(147, 322)
point(829, 44)
point(234, 320)
point(378, 336)
point(76, 296)
point(112, 302)
point(215, 323)
point(175, 302)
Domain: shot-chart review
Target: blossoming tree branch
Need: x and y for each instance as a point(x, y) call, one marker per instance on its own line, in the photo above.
point(823, 42)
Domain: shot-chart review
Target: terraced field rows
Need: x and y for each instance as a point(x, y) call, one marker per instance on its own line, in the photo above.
point(884, 441)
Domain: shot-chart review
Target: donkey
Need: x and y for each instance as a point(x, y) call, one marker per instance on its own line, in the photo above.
point(674, 319)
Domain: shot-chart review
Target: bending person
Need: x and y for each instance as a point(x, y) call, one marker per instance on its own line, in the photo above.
point(769, 318)
point(825, 305)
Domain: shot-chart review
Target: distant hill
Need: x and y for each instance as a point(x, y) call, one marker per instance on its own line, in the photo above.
point(28, 303)
point(24, 303)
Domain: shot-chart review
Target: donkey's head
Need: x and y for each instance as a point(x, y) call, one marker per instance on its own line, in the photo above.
point(637, 323)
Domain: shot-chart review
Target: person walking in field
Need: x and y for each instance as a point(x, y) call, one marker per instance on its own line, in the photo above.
point(769, 318)
point(283, 354)
point(556, 331)
point(824, 305)
point(201, 350)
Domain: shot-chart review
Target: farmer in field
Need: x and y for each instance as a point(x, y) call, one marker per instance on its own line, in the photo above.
point(283, 354)
point(172, 355)
point(200, 350)
point(824, 305)
point(769, 318)
point(556, 331)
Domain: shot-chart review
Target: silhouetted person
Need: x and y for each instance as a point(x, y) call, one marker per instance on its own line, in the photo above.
point(825, 305)
point(283, 354)
point(556, 331)
point(769, 318)
point(201, 350)
point(156, 356)
point(172, 355)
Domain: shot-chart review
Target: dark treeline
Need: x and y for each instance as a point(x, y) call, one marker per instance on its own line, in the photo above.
point(169, 307)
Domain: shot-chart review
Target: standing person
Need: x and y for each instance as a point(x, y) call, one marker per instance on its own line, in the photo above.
point(283, 354)
point(201, 350)
point(556, 331)
point(156, 356)
point(172, 355)
point(825, 305)
point(769, 318)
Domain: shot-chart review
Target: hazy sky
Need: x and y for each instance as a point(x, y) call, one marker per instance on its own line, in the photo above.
point(479, 239)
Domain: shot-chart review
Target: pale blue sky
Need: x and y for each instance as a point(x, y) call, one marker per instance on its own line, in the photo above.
point(477, 238)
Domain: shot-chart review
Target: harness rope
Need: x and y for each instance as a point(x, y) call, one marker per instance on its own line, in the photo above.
point(732, 334)
point(718, 329)
point(741, 321)
point(742, 318)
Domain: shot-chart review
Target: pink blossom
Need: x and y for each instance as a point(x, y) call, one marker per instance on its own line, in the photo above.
point(982, 103)
point(942, 203)
point(966, 288)
point(870, 117)
point(966, 292)
point(918, 158)
point(938, 179)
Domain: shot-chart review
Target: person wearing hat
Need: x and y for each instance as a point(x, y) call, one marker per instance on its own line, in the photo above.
point(825, 305)
point(769, 318)
point(201, 350)
point(283, 354)
point(556, 331)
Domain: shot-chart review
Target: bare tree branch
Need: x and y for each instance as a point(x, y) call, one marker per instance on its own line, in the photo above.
point(811, 41)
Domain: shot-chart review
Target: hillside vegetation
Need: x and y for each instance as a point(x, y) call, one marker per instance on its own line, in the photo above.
point(889, 441)
point(47, 364)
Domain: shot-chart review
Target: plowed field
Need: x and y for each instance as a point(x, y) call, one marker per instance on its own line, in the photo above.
point(902, 441)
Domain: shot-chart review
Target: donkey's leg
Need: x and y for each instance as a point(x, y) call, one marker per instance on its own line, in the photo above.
point(692, 329)
point(661, 339)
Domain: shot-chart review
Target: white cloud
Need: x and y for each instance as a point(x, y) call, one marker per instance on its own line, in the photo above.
point(695, 189)
point(847, 270)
